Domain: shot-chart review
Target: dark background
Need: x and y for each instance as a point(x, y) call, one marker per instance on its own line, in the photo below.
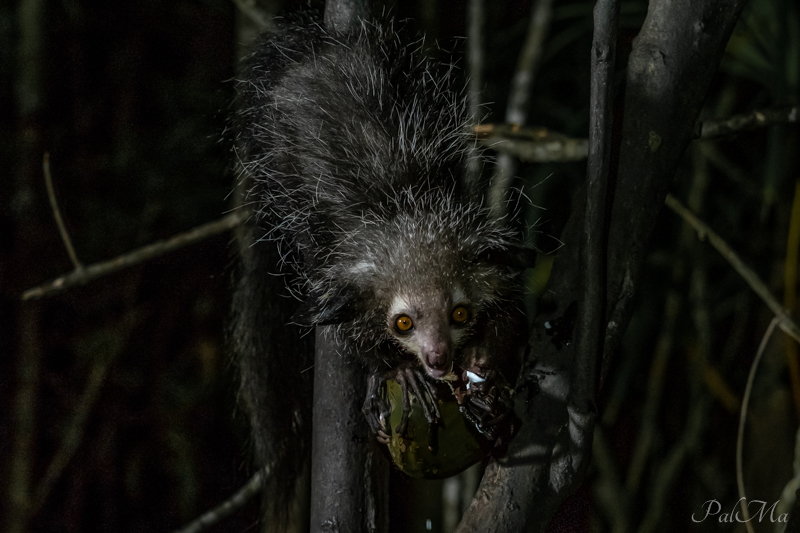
point(127, 380)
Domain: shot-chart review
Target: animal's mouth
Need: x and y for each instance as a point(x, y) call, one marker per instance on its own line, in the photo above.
point(438, 374)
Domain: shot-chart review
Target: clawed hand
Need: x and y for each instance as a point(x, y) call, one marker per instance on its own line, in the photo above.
point(412, 379)
point(488, 406)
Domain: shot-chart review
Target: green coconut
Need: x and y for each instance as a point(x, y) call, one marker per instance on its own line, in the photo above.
point(432, 453)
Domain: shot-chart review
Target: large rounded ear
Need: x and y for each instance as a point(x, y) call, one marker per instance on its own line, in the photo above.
point(333, 307)
point(515, 257)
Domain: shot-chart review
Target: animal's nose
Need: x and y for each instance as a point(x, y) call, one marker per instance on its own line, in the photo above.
point(438, 358)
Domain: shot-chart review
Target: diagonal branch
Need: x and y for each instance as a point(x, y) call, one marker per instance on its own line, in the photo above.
point(229, 506)
point(752, 279)
point(711, 129)
point(145, 253)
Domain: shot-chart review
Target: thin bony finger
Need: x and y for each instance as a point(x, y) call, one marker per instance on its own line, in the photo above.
point(412, 377)
point(403, 425)
point(431, 388)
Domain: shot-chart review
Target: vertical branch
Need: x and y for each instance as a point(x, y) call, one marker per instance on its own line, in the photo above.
point(593, 242)
point(451, 492)
point(348, 474)
point(591, 313)
point(29, 95)
point(426, 15)
point(23, 442)
point(519, 98)
point(669, 72)
point(790, 294)
point(528, 63)
point(28, 91)
point(349, 478)
point(788, 499)
point(258, 20)
point(475, 55)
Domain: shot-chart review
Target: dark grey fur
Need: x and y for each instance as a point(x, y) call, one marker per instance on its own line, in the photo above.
point(356, 151)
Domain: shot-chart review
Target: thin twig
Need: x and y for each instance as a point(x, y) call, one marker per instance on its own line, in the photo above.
point(229, 506)
point(752, 279)
point(711, 129)
point(156, 249)
point(533, 144)
point(743, 418)
point(548, 151)
point(62, 228)
point(515, 131)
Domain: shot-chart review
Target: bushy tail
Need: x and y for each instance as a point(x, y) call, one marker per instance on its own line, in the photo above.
point(275, 383)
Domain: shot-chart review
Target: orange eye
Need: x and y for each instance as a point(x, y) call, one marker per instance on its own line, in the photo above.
point(403, 323)
point(460, 314)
